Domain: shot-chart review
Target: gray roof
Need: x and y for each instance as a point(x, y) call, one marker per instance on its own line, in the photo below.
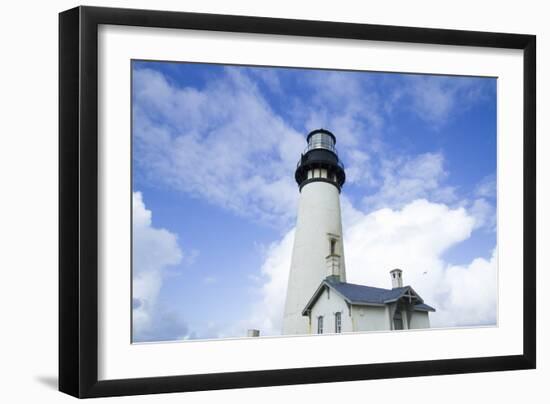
point(423, 307)
point(366, 295)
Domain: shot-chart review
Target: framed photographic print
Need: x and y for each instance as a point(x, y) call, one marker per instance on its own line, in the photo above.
point(250, 201)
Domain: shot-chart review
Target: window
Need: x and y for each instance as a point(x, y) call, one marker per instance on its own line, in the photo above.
point(332, 246)
point(338, 322)
point(320, 325)
point(321, 140)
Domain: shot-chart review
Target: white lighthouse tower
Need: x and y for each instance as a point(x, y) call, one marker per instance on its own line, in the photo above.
point(318, 250)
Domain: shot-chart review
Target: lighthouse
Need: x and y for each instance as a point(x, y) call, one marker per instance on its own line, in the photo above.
point(318, 251)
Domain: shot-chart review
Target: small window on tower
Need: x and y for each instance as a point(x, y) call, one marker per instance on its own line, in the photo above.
point(332, 246)
point(320, 325)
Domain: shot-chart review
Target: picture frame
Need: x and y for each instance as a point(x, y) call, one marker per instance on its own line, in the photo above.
point(79, 167)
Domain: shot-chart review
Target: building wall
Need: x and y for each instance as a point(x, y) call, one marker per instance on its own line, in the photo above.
point(327, 305)
point(370, 318)
point(362, 318)
point(318, 215)
point(420, 319)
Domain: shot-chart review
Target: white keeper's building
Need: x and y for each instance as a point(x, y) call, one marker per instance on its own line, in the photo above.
point(319, 300)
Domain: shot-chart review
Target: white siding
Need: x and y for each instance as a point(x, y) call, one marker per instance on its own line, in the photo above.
point(327, 307)
point(420, 319)
point(370, 318)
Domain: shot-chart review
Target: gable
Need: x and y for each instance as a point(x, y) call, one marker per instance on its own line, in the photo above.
point(319, 293)
point(328, 302)
point(361, 294)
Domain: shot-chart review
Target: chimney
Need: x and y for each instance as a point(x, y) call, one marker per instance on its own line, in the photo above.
point(396, 278)
point(253, 333)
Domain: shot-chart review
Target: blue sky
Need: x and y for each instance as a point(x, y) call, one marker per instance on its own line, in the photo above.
point(214, 153)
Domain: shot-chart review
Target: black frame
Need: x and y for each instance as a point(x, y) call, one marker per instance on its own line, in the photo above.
point(78, 180)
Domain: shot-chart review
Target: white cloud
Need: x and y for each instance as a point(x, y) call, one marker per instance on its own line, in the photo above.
point(407, 179)
point(222, 143)
point(225, 144)
point(487, 187)
point(360, 168)
point(432, 100)
point(435, 99)
point(471, 294)
point(413, 238)
point(267, 313)
point(270, 78)
point(484, 214)
point(482, 205)
point(153, 251)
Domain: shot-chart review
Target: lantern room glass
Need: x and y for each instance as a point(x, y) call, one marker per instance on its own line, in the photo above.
point(321, 141)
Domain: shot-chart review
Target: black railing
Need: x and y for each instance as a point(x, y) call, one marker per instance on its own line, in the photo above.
point(340, 164)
